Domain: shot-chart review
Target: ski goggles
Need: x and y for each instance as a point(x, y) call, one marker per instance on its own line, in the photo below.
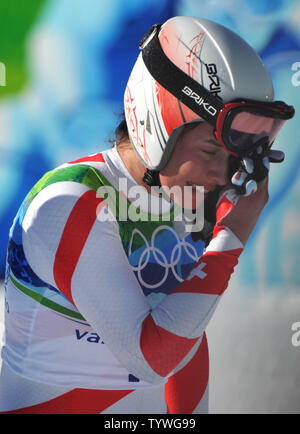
point(243, 125)
point(239, 126)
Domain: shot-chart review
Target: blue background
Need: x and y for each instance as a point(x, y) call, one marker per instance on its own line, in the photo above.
point(78, 58)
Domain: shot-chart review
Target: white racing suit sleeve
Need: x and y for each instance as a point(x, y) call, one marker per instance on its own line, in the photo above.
point(69, 247)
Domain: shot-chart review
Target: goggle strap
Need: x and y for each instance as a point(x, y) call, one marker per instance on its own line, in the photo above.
point(177, 82)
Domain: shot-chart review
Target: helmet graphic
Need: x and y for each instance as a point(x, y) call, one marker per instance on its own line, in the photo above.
point(210, 55)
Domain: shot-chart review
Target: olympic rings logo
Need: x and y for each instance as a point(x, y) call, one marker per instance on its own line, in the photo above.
point(160, 257)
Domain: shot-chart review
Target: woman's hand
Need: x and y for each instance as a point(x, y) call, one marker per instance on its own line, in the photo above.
point(242, 217)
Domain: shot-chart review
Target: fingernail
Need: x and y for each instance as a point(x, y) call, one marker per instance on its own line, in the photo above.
point(251, 187)
point(266, 163)
point(249, 165)
point(239, 177)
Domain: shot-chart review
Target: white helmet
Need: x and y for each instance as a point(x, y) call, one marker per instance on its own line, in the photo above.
point(211, 55)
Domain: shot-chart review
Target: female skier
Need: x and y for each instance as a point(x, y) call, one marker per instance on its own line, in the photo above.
point(113, 268)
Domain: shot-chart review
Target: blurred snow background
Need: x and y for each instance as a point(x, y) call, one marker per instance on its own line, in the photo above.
point(254, 366)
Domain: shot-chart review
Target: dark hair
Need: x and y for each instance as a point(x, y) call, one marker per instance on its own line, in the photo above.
point(121, 132)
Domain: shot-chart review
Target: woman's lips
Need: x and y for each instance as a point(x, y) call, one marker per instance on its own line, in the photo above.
point(206, 189)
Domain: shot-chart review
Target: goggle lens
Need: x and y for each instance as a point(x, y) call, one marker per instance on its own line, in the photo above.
point(247, 129)
point(243, 125)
